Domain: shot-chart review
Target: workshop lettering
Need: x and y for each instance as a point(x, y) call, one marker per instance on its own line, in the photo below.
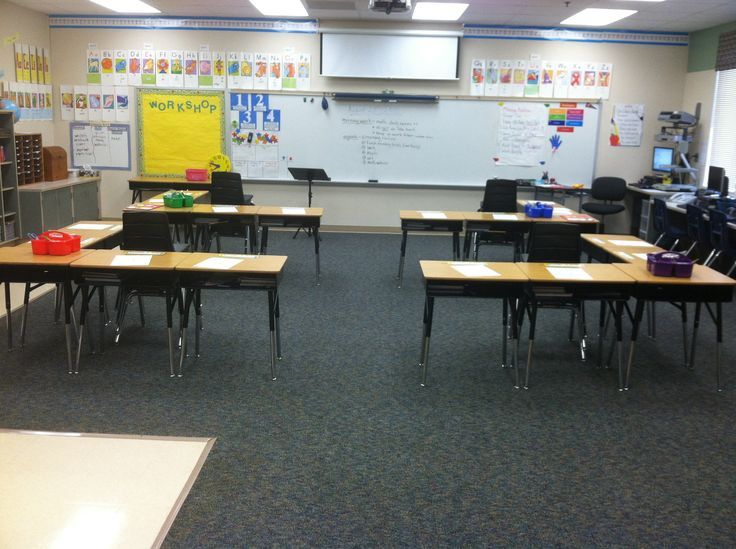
point(183, 106)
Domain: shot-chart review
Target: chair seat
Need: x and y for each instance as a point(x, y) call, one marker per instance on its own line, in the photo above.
point(603, 209)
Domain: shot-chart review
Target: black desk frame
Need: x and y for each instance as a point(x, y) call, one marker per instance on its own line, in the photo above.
point(455, 226)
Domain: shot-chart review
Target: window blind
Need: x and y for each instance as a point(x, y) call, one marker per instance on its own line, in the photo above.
point(722, 150)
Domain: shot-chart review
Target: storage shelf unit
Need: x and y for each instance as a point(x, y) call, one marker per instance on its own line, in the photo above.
point(9, 219)
point(29, 151)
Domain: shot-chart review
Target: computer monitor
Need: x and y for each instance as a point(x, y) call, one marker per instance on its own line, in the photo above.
point(716, 176)
point(662, 159)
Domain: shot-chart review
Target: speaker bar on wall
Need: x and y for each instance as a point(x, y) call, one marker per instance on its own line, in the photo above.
point(385, 97)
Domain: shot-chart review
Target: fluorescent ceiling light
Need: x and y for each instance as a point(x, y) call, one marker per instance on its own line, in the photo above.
point(437, 11)
point(126, 6)
point(594, 17)
point(292, 8)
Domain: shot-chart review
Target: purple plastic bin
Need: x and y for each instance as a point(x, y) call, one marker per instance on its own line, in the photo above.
point(669, 264)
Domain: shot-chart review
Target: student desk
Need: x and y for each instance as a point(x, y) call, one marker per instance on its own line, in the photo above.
point(611, 248)
point(415, 220)
point(197, 195)
point(448, 279)
point(307, 218)
point(705, 286)
point(144, 272)
point(143, 183)
point(581, 282)
point(200, 271)
point(97, 234)
point(19, 264)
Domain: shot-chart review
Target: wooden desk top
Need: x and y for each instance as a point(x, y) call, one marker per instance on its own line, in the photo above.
point(23, 255)
point(598, 272)
point(44, 186)
point(701, 276)
point(261, 264)
point(164, 180)
point(91, 236)
point(417, 215)
point(291, 211)
point(520, 217)
point(159, 198)
point(445, 270)
point(210, 209)
point(614, 245)
point(101, 259)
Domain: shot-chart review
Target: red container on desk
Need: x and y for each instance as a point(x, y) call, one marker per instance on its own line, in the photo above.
point(196, 174)
point(56, 243)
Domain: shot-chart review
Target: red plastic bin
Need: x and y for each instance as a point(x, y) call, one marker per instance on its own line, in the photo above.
point(196, 174)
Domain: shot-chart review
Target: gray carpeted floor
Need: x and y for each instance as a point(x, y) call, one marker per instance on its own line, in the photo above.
point(346, 449)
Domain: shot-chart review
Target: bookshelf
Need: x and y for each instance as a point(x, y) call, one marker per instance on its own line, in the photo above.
point(9, 217)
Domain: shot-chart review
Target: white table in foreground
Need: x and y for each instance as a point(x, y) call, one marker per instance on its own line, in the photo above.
point(92, 490)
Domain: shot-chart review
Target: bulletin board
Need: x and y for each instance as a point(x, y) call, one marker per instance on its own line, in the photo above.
point(100, 146)
point(179, 129)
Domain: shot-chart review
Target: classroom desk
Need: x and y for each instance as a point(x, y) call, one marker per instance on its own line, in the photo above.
point(445, 279)
point(418, 220)
point(565, 191)
point(200, 271)
point(612, 248)
point(19, 264)
point(154, 275)
point(602, 282)
point(143, 183)
point(706, 286)
point(97, 234)
point(307, 218)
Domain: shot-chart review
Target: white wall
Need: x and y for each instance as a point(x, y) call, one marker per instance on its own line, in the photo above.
point(31, 28)
point(653, 75)
point(700, 88)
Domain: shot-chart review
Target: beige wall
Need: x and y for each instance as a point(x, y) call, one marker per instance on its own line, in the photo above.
point(699, 88)
point(652, 75)
point(32, 28)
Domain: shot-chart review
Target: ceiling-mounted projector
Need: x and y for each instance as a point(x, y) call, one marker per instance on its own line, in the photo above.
point(390, 6)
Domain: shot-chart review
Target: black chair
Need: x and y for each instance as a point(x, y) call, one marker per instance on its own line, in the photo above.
point(500, 197)
point(608, 190)
point(698, 230)
point(554, 243)
point(662, 220)
point(226, 189)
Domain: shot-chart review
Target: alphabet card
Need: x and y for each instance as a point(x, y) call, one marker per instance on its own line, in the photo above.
point(134, 67)
point(274, 72)
point(177, 69)
point(121, 68)
point(218, 70)
point(191, 73)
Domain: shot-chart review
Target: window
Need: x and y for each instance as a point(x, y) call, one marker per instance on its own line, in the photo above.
point(722, 146)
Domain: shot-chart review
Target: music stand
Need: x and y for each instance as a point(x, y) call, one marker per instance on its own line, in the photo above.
point(308, 175)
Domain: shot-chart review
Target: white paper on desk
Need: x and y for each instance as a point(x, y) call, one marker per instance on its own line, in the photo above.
point(221, 263)
point(504, 217)
point(293, 211)
point(156, 200)
point(225, 209)
point(88, 227)
point(641, 256)
point(131, 260)
point(626, 256)
point(87, 241)
point(239, 256)
point(433, 215)
point(474, 270)
point(631, 243)
point(561, 211)
point(569, 273)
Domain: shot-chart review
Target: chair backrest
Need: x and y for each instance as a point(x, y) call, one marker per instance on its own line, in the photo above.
point(146, 231)
point(227, 188)
point(718, 230)
point(608, 189)
point(554, 243)
point(499, 196)
point(697, 225)
point(659, 214)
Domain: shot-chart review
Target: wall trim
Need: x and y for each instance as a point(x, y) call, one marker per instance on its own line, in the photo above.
point(508, 32)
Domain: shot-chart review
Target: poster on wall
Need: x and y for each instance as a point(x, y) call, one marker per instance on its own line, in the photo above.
point(233, 70)
point(163, 69)
point(288, 82)
point(506, 71)
point(93, 67)
point(626, 125)
point(66, 102)
point(477, 76)
point(576, 80)
point(121, 68)
point(533, 73)
point(492, 76)
point(18, 62)
point(219, 60)
point(547, 79)
point(260, 80)
point(246, 70)
point(274, 71)
point(519, 78)
point(46, 65)
point(148, 68)
point(107, 63)
point(254, 135)
point(108, 103)
point(605, 71)
point(205, 69)
point(94, 97)
point(521, 134)
point(177, 69)
point(81, 103)
point(304, 72)
point(34, 64)
point(191, 72)
point(562, 80)
point(590, 72)
point(134, 67)
point(122, 103)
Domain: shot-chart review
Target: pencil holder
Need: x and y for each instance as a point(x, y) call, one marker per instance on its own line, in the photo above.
point(669, 264)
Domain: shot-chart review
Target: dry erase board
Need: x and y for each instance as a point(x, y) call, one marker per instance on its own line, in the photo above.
point(451, 142)
point(103, 147)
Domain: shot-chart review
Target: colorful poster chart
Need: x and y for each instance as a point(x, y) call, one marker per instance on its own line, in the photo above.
point(122, 103)
point(107, 62)
point(163, 69)
point(519, 78)
point(288, 82)
point(590, 89)
point(304, 72)
point(39, 66)
point(205, 69)
point(34, 65)
point(533, 73)
point(177, 69)
point(477, 77)
point(46, 66)
point(66, 102)
point(81, 103)
point(566, 117)
point(94, 96)
point(505, 77)
point(492, 77)
point(576, 80)
point(521, 134)
point(179, 129)
point(562, 80)
point(254, 135)
point(274, 71)
point(547, 79)
point(26, 49)
point(18, 62)
point(191, 72)
point(605, 72)
point(148, 68)
point(103, 147)
point(134, 67)
point(246, 70)
point(94, 75)
point(626, 125)
point(260, 80)
point(233, 71)
point(218, 70)
point(108, 103)
point(121, 68)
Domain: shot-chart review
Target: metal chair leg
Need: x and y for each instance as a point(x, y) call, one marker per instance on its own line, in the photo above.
point(141, 310)
point(24, 320)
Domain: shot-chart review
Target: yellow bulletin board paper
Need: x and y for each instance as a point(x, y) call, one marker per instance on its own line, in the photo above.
point(179, 129)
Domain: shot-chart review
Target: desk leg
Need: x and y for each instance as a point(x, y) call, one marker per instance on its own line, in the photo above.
point(24, 318)
point(455, 246)
point(402, 257)
point(601, 331)
point(198, 320)
point(68, 303)
point(277, 316)
point(170, 331)
point(532, 327)
point(8, 319)
point(102, 310)
point(264, 240)
point(719, 344)
point(429, 312)
point(619, 351)
point(683, 316)
point(638, 314)
point(515, 339)
point(189, 293)
point(466, 244)
point(696, 325)
point(272, 328)
point(82, 323)
point(504, 331)
point(315, 234)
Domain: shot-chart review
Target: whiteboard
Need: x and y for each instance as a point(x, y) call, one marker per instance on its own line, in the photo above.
point(103, 147)
point(452, 142)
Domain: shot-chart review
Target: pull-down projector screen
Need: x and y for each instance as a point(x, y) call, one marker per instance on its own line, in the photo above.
point(389, 56)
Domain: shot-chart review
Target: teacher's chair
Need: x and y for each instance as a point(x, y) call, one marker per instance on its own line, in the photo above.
point(609, 192)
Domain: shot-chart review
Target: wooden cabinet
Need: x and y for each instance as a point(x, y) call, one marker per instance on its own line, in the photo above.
point(53, 204)
point(9, 216)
